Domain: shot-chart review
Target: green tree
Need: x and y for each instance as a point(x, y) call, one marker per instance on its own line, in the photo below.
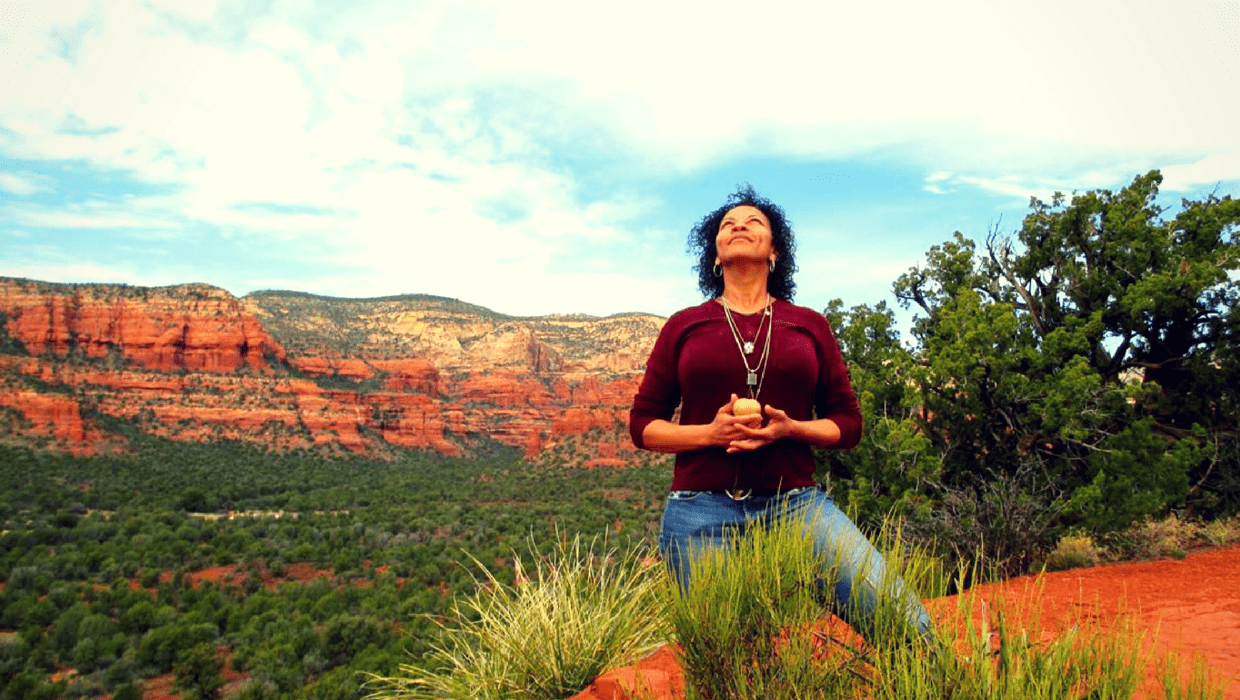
point(891, 469)
point(199, 670)
point(1081, 371)
point(128, 691)
point(1153, 296)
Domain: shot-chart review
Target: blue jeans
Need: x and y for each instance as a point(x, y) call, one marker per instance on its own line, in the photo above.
point(697, 519)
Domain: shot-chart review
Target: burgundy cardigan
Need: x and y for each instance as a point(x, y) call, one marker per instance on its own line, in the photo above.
point(695, 364)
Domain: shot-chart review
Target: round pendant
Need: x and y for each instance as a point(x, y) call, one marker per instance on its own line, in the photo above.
point(748, 348)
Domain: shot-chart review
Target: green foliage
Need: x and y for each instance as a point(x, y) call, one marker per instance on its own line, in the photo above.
point(1203, 682)
point(100, 555)
point(8, 344)
point(1079, 374)
point(741, 630)
point(578, 611)
point(198, 671)
point(999, 655)
point(751, 627)
point(888, 471)
point(1074, 552)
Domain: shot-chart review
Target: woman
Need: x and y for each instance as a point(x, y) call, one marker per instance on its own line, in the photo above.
point(738, 471)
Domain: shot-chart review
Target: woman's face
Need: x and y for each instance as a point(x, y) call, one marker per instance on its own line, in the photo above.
point(744, 233)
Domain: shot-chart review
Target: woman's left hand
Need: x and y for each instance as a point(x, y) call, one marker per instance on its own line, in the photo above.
point(778, 425)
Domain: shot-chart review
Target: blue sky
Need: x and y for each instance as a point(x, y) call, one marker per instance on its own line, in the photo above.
point(549, 157)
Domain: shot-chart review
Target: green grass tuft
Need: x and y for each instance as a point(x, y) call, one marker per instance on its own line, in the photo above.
point(568, 617)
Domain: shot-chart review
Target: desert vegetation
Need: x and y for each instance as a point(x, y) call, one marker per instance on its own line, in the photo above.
point(247, 574)
point(286, 576)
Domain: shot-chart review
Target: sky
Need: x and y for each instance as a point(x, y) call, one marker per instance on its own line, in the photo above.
point(550, 157)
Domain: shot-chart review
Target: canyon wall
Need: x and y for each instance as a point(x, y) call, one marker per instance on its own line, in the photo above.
point(81, 364)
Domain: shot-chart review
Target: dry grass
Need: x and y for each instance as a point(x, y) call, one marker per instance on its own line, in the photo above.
point(1170, 537)
point(1220, 533)
point(1074, 552)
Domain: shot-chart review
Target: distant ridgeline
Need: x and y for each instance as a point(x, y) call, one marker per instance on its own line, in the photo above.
point(84, 365)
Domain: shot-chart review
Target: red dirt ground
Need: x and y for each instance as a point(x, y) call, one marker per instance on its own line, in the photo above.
point(1189, 606)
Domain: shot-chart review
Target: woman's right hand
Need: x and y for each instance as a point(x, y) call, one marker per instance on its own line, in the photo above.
point(724, 431)
point(724, 428)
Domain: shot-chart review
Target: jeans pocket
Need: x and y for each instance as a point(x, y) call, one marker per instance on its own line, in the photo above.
point(683, 496)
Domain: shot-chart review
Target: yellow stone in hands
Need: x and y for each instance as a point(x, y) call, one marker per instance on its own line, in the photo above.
point(745, 407)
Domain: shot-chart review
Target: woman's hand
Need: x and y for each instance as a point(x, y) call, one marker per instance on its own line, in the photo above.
point(722, 431)
point(727, 427)
point(822, 432)
point(778, 425)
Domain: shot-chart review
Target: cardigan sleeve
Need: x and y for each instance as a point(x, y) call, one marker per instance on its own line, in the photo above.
point(659, 393)
point(834, 397)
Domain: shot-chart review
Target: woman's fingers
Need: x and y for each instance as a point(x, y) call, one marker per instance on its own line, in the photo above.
point(747, 444)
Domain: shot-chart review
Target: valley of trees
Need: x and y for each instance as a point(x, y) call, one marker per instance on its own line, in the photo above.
point(1079, 374)
point(99, 556)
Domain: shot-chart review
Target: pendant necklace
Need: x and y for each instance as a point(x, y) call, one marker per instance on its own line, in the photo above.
point(754, 376)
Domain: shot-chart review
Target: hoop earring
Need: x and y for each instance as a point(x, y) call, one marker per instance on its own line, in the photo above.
point(717, 270)
point(772, 266)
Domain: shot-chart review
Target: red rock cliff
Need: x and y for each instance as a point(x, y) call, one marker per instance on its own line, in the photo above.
point(284, 369)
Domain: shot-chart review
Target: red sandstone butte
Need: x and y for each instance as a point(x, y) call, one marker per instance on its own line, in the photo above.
point(192, 362)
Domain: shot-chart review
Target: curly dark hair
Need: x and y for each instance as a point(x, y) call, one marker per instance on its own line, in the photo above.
point(702, 244)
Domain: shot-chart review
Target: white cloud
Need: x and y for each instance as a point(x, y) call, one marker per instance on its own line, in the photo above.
point(405, 139)
point(23, 184)
point(50, 269)
point(78, 270)
point(673, 85)
point(135, 214)
point(1207, 171)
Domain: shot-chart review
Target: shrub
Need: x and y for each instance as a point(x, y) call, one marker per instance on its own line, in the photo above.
point(1074, 552)
point(576, 613)
point(732, 625)
point(754, 621)
point(1220, 533)
point(1154, 539)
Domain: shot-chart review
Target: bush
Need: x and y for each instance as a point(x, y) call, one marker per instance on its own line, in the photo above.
point(1074, 552)
point(576, 613)
point(1220, 533)
point(1154, 539)
point(754, 621)
point(198, 671)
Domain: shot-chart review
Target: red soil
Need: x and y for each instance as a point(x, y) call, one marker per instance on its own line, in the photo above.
point(1188, 607)
point(236, 575)
point(163, 687)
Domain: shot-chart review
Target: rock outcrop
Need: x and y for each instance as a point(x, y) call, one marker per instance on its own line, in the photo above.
point(291, 370)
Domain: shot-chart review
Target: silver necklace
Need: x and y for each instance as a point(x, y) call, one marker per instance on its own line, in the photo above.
point(756, 375)
point(747, 346)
